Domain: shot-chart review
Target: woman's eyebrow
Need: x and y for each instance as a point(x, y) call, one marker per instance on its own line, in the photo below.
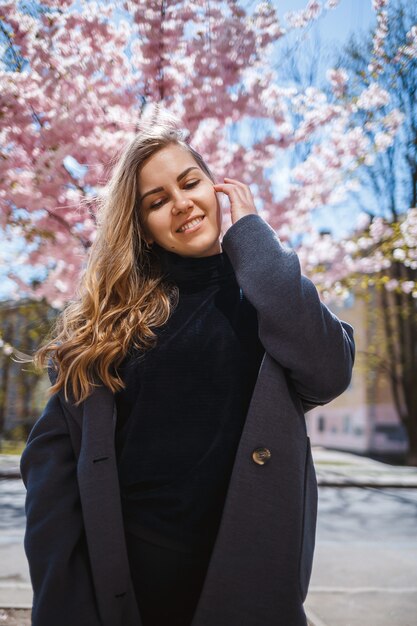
point(179, 177)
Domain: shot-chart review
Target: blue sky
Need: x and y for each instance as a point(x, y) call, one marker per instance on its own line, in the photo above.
point(334, 29)
point(338, 23)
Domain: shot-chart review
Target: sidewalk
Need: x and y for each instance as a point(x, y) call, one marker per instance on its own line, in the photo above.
point(365, 560)
point(9, 466)
point(344, 469)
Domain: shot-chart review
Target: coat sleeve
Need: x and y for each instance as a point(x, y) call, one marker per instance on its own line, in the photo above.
point(54, 539)
point(295, 327)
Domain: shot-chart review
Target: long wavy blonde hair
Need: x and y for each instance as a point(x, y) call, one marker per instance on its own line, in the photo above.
point(122, 294)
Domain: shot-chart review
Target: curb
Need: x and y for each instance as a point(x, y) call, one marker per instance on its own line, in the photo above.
point(366, 483)
point(10, 473)
point(10, 466)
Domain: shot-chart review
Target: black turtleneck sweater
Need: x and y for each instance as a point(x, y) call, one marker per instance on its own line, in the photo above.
point(180, 418)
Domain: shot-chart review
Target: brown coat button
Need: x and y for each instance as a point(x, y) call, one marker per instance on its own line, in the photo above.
point(261, 455)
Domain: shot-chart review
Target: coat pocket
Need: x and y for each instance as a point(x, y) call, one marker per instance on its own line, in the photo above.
point(308, 535)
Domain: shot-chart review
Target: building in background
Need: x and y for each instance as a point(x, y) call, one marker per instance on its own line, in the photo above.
point(363, 419)
point(23, 325)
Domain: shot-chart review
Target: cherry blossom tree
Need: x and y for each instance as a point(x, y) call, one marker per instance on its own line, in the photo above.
point(379, 259)
point(76, 79)
point(79, 78)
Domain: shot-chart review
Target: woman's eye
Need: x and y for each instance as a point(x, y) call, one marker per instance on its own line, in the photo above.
point(189, 185)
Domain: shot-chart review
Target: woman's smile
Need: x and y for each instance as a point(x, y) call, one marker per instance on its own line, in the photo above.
point(192, 225)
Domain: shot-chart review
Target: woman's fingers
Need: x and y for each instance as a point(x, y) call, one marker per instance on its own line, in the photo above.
point(240, 196)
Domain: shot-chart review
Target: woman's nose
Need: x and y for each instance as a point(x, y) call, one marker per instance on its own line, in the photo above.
point(182, 202)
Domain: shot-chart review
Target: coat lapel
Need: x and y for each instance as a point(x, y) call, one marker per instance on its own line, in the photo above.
point(100, 500)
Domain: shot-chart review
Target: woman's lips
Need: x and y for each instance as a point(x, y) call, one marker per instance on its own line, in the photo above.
point(193, 228)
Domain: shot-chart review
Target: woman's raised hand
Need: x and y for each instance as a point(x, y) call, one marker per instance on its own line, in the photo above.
point(240, 196)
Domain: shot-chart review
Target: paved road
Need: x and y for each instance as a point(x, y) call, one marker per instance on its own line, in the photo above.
point(365, 566)
point(15, 587)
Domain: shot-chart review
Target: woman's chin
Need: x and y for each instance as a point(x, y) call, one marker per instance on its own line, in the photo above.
point(201, 246)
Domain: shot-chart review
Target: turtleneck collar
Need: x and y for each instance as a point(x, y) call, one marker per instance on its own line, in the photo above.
point(195, 271)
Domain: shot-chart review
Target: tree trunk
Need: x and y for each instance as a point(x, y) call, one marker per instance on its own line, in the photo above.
point(411, 456)
point(400, 326)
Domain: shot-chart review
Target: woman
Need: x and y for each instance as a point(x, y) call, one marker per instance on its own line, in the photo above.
point(170, 479)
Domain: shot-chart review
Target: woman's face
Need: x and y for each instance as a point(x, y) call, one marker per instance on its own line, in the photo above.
point(174, 190)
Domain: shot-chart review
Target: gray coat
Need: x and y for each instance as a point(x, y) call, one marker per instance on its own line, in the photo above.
point(261, 562)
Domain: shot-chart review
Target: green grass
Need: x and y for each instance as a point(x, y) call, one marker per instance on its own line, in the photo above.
point(12, 447)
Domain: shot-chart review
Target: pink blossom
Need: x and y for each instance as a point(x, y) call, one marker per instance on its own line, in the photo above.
point(399, 254)
point(393, 120)
point(380, 230)
point(407, 286)
point(373, 97)
point(378, 5)
point(338, 79)
point(383, 141)
point(377, 65)
point(391, 284)
point(362, 221)
point(300, 19)
point(410, 49)
point(91, 78)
